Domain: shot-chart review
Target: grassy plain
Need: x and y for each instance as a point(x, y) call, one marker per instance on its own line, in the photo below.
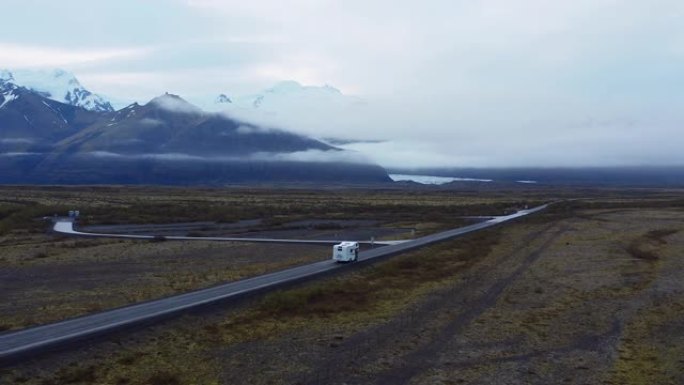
point(44, 277)
point(590, 291)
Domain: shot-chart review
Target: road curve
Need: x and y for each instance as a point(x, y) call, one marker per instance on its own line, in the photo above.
point(22, 343)
point(66, 226)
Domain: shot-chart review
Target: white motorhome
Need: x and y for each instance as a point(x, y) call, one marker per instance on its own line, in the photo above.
point(346, 252)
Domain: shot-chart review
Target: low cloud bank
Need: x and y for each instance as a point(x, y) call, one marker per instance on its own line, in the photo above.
point(149, 122)
point(174, 103)
point(309, 156)
point(250, 130)
point(17, 141)
point(17, 154)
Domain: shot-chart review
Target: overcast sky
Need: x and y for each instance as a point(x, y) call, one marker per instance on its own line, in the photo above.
point(447, 83)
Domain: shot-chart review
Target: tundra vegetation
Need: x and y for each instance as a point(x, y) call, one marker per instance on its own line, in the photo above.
point(589, 291)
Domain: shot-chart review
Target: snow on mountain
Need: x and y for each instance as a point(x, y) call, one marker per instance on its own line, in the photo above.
point(290, 94)
point(7, 89)
point(318, 111)
point(6, 76)
point(281, 98)
point(57, 85)
point(6, 97)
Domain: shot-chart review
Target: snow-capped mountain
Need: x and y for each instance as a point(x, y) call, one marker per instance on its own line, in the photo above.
point(7, 95)
point(8, 90)
point(58, 85)
point(165, 141)
point(5, 77)
point(31, 122)
point(317, 111)
point(288, 95)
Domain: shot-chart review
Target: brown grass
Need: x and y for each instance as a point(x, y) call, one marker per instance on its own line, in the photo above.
point(362, 291)
point(361, 296)
point(647, 247)
point(74, 375)
point(24, 244)
point(19, 207)
point(660, 235)
point(164, 378)
point(638, 249)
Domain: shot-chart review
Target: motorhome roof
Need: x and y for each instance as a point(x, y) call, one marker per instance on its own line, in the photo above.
point(347, 244)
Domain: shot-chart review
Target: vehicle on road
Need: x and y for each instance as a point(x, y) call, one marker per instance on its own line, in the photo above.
point(346, 252)
point(19, 344)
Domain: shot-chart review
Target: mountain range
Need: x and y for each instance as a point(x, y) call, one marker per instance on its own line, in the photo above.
point(77, 138)
point(318, 111)
point(285, 95)
point(62, 86)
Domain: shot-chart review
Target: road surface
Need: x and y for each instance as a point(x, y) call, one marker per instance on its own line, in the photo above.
point(23, 343)
point(66, 226)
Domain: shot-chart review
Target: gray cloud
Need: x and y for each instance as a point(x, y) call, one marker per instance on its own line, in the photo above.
point(453, 83)
point(165, 156)
point(17, 154)
point(175, 104)
point(314, 156)
point(17, 141)
point(249, 130)
point(150, 122)
point(332, 156)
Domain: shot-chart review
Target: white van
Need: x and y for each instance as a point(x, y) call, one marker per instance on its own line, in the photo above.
point(346, 252)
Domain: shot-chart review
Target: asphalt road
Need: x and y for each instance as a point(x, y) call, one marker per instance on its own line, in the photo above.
point(24, 343)
point(66, 226)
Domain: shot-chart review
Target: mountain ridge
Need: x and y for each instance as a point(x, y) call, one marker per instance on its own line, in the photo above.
point(58, 85)
point(165, 141)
